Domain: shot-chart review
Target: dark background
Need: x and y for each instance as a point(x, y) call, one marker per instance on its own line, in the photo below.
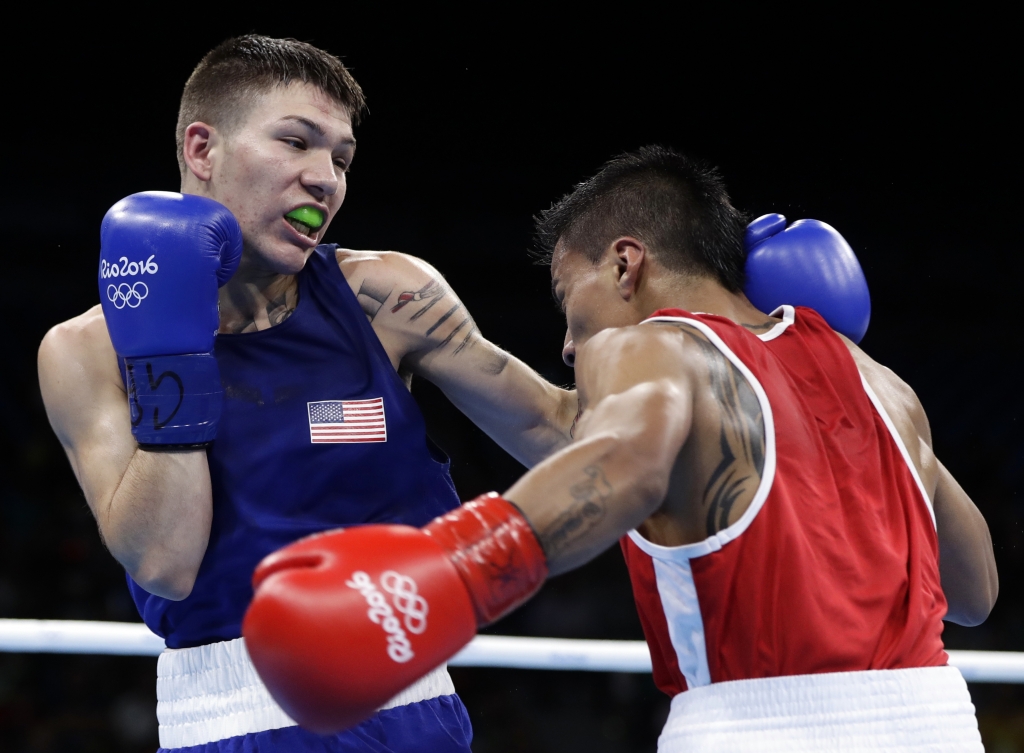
point(899, 131)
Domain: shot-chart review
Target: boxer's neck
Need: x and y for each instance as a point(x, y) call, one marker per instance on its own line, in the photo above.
point(254, 301)
point(699, 295)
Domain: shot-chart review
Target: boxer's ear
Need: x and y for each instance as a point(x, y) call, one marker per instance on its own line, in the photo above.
point(630, 259)
point(197, 150)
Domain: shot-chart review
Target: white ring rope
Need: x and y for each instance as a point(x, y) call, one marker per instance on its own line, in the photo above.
point(135, 639)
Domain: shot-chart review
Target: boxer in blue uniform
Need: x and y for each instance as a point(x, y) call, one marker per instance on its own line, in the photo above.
point(199, 455)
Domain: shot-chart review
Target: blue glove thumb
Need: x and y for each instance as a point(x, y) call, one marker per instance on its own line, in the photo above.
point(807, 264)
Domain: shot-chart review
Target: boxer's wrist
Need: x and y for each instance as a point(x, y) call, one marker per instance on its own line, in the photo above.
point(175, 401)
point(495, 551)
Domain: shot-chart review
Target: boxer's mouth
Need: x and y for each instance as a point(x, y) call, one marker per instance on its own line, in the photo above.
point(306, 220)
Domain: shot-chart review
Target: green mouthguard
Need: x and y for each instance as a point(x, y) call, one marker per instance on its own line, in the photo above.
point(307, 216)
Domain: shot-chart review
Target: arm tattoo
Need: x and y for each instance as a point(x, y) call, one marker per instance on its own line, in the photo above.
point(585, 513)
point(451, 334)
point(371, 297)
point(465, 340)
point(763, 326)
point(496, 364)
point(431, 292)
point(576, 420)
point(277, 309)
point(444, 318)
point(741, 436)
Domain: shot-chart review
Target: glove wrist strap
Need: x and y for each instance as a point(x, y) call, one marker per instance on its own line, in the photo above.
point(175, 401)
point(495, 552)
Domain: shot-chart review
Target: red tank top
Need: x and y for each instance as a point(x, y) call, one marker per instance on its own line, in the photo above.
point(834, 566)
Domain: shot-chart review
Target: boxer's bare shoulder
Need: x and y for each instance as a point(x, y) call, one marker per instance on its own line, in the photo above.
point(967, 564)
point(84, 396)
point(76, 356)
point(410, 306)
point(905, 409)
point(380, 277)
point(717, 470)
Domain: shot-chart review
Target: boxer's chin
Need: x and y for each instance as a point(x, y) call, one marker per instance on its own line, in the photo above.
point(277, 255)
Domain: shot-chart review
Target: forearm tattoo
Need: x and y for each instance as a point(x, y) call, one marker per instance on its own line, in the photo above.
point(588, 509)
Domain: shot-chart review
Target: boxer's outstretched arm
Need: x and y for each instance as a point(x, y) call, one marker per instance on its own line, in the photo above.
point(426, 329)
point(636, 385)
point(153, 508)
point(967, 562)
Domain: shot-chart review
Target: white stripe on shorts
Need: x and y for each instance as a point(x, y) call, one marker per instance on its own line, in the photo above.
point(921, 709)
point(212, 692)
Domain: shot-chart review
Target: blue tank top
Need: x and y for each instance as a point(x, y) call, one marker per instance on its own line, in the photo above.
point(297, 453)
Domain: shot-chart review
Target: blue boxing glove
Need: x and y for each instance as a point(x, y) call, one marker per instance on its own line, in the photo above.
point(163, 256)
point(807, 264)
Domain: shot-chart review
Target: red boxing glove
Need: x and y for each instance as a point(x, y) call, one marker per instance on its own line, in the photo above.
point(343, 621)
point(495, 551)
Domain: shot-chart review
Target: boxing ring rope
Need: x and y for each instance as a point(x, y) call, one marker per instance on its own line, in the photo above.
point(135, 639)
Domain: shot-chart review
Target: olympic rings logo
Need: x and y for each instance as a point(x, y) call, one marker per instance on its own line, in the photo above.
point(127, 295)
point(407, 600)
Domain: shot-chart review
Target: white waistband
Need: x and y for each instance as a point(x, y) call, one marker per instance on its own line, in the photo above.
point(212, 692)
point(923, 709)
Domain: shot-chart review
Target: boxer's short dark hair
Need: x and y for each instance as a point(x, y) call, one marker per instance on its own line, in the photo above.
point(676, 205)
point(235, 72)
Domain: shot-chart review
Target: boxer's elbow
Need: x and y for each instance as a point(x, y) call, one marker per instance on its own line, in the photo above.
point(165, 578)
point(969, 615)
point(970, 606)
point(158, 570)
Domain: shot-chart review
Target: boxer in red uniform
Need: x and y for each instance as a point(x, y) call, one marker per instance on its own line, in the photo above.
point(794, 543)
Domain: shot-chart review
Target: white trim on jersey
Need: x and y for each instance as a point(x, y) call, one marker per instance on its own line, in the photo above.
point(687, 552)
point(899, 443)
point(788, 316)
point(676, 587)
point(678, 593)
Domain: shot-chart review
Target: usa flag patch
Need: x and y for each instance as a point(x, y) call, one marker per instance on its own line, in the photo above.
point(347, 421)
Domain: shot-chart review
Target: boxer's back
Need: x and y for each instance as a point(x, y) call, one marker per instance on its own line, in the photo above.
point(832, 565)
